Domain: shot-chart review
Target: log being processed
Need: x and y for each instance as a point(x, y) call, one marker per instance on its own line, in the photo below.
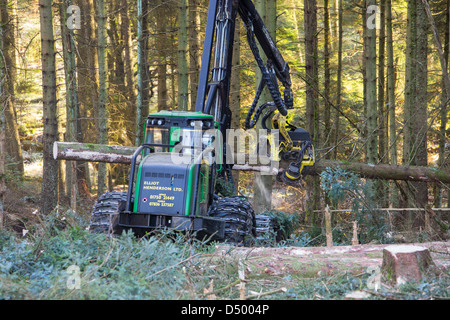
point(121, 154)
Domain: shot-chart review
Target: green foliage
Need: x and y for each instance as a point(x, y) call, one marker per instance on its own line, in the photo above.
point(326, 288)
point(296, 240)
point(285, 222)
point(285, 231)
point(436, 288)
point(119, 268)
point(343, 186)
point(223, 188)
point(166, 266)
point(338, 183)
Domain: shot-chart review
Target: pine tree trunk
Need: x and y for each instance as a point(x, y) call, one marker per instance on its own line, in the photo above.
point(364, 69)
point(311, 67)
point(271, 23)
point(140, 74)
point(128, 69)
point(71, 97)
point(443, 113)
point(194, 50)
point(262, 189)
point(335, 20)
point(409, 81)
point(409, 99)
point(114, 54)
point(339, 79)
point(161, 47)
point(420, 128)
point(14, 158)
point(103, 94)
point(381, 85)
point(144, 83)
point(235, 89)
point(49, 196)
point(443, 57)
point(260, 6)
point(382, 133)
point(183, 75)
point(147, 73)
point(173, 73)
point(371, 74)
point(391, 98)
point(297, 31)
point(327, 77)
point(87, 66)
point(271, 18)
point(312, 98)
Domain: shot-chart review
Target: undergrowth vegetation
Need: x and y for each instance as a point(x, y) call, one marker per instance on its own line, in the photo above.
point(60, 259)
point(74, 264)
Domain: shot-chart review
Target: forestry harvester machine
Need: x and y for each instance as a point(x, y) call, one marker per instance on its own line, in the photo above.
point(182, 170)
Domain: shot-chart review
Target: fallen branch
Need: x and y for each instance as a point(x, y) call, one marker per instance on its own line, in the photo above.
point(258, 295)
point(388, 296)
point(231, 285)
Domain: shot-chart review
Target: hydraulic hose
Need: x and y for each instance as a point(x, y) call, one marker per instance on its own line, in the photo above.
point(267, 76)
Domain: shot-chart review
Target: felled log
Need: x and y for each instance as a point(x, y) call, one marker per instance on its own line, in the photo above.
point(92, 152)
point(121, 154)
point(320, 261)
point(386, 171)
point(402, 263)
point(76, 151)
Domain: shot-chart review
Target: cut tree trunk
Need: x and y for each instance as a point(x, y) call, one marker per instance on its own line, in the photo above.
point(92, 152)
point(403, 263)
point(386, 171)
point(310, 262)
point(122, 154)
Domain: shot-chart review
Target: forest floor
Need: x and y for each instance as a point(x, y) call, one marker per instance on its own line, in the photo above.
point(22, 201)
point(280, 272)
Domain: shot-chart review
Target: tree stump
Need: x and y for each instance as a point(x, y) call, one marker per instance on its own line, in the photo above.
point(403, 263)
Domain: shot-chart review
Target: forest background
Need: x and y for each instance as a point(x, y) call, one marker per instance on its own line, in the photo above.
point(369, 78)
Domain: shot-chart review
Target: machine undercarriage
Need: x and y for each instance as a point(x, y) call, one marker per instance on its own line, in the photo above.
point(177, 175)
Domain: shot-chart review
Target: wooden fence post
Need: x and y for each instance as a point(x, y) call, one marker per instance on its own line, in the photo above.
point(355, 241)
point(328, 229)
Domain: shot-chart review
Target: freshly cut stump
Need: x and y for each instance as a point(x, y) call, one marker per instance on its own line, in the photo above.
point(402, 263)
